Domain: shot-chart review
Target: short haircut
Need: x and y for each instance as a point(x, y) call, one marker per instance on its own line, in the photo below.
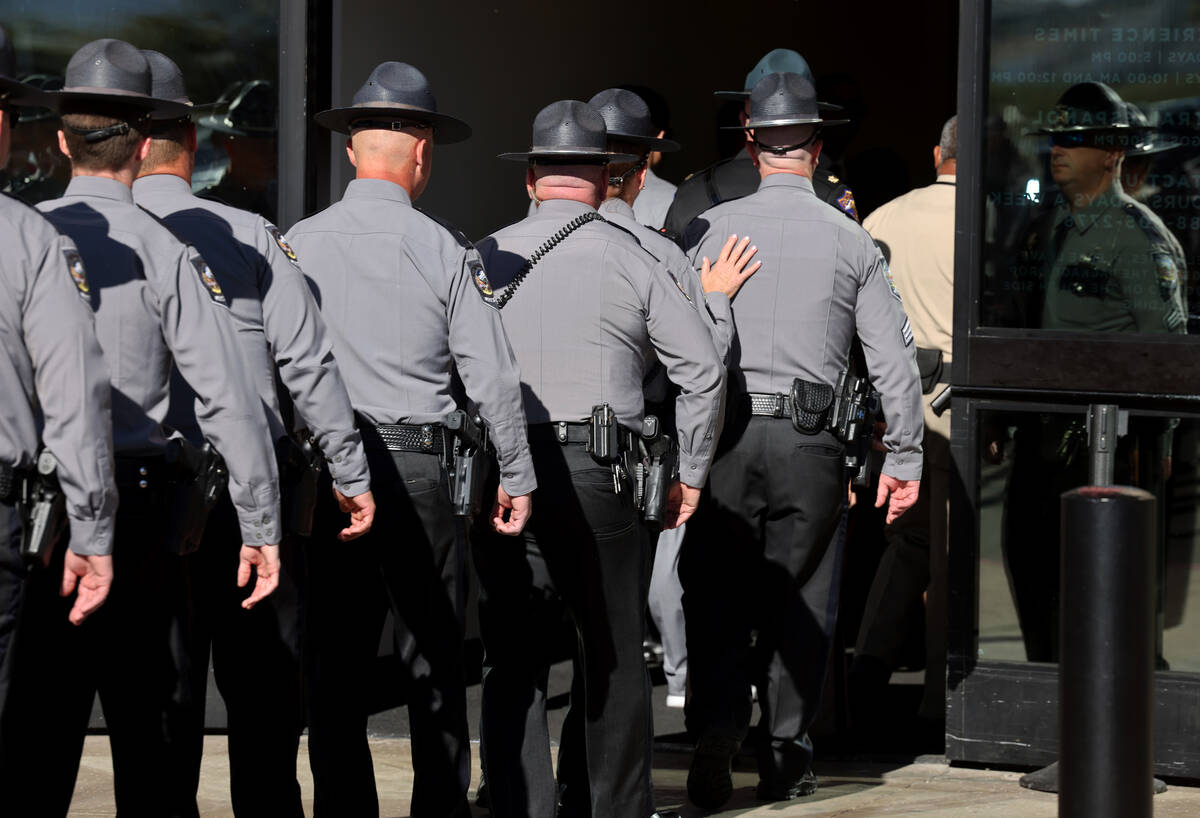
point(112, 153)
point(168, 143)
point(949, 141)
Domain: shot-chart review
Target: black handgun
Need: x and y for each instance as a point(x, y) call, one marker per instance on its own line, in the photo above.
point(852, 420)
point(200, 479)
point(465, 462)
point(43, 509)
point(656, 471)
point(300, 463)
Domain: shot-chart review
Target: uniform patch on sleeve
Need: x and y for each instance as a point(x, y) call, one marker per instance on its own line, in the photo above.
point(891, 282)
point(283, 245)
point(209, 281)
point(480, 279)
point(78, 274)
point(679, 284)
point(906, 333)
point(1168, 275)
point(846, 203)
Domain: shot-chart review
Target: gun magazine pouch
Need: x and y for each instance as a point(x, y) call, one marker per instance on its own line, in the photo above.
point(810, 406)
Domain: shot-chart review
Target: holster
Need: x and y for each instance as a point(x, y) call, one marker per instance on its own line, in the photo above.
point(300, 463)
point(604, 438)
point(200, 479)
point(852, 420)
point(42, 508)
point(929, 367)
point(810, 405)
point(465, 462)
point(655, 470)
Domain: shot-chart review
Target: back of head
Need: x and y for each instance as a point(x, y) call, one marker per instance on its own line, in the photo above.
point(103, 138)
point(171, 138)
point(948, 144)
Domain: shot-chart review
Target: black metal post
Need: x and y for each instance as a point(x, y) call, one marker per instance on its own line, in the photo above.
point(1106, 647)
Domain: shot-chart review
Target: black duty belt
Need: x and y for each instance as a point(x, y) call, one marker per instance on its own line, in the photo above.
point(425, 438)
point(574, 431)
point(766, 404)
point(10, 483)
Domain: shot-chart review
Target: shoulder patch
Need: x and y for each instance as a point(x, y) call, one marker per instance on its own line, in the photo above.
point(891, 282)
point(275, 234)
point(78, 274)
point(480, 279)
point(209, 281)
point(846, 203)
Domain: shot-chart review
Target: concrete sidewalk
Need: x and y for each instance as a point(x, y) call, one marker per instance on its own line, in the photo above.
point(848, 789)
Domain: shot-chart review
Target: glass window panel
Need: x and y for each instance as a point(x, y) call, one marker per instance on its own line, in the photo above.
point(228, 51)
point(1092, 189)
point(1041, 455)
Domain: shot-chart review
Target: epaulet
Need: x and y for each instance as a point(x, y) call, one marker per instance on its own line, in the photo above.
point(671, 234)
point(631, 235)
point(459, 236)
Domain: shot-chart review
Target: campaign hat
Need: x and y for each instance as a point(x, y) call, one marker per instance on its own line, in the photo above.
point(569, 129)
point(627, 119)
point(110, 71)
point(784, 99)
point(395, 91)
point(777, 61)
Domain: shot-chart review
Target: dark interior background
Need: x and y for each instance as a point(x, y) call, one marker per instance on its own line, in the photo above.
point(495, 64)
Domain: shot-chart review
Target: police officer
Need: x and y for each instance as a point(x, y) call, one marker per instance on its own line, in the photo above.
point(280, 329)
point(737, 177)
point(408, 305)
point(585, 306)
point(759, 552)
point(630, 130)
point(157, 304)
point(243, 126)
point(56, 394)
point(1095, 261)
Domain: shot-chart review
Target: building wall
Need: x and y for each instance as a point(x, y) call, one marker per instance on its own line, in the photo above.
point(496, 64)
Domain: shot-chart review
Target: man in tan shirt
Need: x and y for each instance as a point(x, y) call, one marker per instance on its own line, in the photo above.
point(916, 234)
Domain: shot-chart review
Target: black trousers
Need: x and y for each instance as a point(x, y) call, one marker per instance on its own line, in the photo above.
point(763, 553)
point(256, 659)
point(595, 553)
point(411, 563)
point(123, 652)
point(12, 586)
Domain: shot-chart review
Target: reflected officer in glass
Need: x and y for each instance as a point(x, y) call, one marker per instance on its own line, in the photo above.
point(762, 551)
point(408, 305)
point(157, 306)
point(244, 125)
point(37, 170)
point(284, 337)
point(57, 403)
point(737, 177)
point(1098, 261)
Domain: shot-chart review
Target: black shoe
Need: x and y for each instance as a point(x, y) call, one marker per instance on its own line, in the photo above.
point(710, 778)
point(786, 791)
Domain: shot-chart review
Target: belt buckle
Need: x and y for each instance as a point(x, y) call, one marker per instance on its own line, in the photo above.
point(427, 436)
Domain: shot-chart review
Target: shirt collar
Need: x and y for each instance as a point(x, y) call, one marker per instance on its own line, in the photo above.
point(163, 183)
point(786, 180)
point(946, 178)
point(99, 187)
point(616, 207)
point(377, 189)
point(562, 208)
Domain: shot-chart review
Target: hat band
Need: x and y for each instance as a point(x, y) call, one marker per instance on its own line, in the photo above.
point(94, 135)
point(781, 150)
point(387, 124)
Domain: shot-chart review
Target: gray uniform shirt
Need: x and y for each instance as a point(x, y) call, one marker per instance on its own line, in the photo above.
point(156, 301)
point(822, 280)
point(407, 302)
point(651, 205)
point(52, 372)
point(277, 320)
point(585, 321)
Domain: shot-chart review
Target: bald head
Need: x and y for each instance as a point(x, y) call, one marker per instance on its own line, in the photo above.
point(799, 160)
point(404, 156)
point(580, 183)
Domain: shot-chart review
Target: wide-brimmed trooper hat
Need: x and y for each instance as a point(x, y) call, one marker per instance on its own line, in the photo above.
point(569, 129)
point(395, 91)
point(778, 61)
point(166, 82)
point(12, 90)
point(627, 119)
point(1088, 107)
point(1147, 140)
point(245, 108)
point(784, 99)
point(114, 72)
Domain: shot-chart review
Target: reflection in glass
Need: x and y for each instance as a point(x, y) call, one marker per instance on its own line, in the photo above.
point(229, 53)
point(1092, 167)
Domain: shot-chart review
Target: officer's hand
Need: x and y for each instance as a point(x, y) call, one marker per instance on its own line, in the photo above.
point(94, 576)
point(361, 509)
point(264, 560)
point(519, 509)
point(903, 495)
point(730, 272)
point(682, 501)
